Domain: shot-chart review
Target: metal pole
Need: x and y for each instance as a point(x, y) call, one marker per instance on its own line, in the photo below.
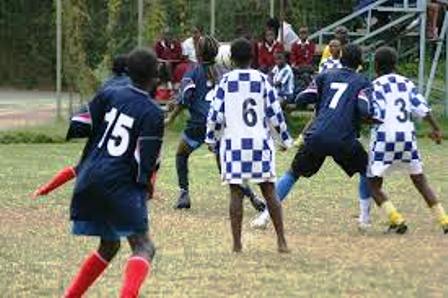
point(446, 74)
point(140, 23)
point(421, 67)
point(435, 61)
point(58, 57)
point(271, 8)
point(282, 20)
point(212, 17)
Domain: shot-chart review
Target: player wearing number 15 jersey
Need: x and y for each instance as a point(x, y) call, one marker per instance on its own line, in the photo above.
point(393, 141)
point(109, 199)
point(244, 115)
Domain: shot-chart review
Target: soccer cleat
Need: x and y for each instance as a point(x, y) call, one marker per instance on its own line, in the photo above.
point(257, 203)
point(397, 228)
point(364, 226)
point(261, 221)
point(444, 224)
point(184, 200)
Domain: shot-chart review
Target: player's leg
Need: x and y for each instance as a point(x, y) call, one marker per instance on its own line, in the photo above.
point(256, 202)
point(306, 163)
point(236, 215)
point(275, 212)
point(421, 183)
point(183, 153)
point(365, 197)
point(138, 266)
point(355, 160)
point(397, 222)
point(93, 266)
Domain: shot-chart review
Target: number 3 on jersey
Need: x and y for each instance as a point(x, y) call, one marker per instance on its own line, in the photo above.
point(119, 138)
point(340, 89)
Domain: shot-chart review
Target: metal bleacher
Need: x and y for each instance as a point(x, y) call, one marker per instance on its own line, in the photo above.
point(405, 29)
point(406, 20)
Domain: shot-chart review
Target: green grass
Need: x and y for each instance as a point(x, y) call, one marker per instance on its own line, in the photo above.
point(329, 258)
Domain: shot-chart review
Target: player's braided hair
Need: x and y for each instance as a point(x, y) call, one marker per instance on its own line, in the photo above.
point(208, 50)
point(386, 59)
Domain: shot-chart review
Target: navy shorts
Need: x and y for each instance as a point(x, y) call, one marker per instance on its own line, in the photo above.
point(194, 136)
point(309, 159)
point(109, 210)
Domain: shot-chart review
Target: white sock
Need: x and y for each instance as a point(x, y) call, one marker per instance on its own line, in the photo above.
point(364, 209)
point(265, 214)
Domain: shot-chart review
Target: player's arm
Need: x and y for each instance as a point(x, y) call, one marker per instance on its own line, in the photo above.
point(215, 118)
point(310, 95)
point(80, 125)
point(186, 96)
point(276, 118)
point(421, 109)
point(149, 144)
point(62, 177)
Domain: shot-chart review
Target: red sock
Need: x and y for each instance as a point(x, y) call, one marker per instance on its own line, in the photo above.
point(92, 267)
point(137, 268)
point(59, 179)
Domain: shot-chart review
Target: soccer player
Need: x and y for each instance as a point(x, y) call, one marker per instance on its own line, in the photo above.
point(244, 114)
point(196, 84)
point(109, 199)
point(393, 142)
point(341, 102)
point(80, 125)
point(283, 77)
point(333, 61)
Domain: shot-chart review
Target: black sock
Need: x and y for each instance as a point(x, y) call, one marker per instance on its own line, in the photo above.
point(182, 170)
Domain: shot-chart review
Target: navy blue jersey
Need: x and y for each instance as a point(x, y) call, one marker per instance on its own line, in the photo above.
point(194, 88)
point(341, 102)
point(125, 140)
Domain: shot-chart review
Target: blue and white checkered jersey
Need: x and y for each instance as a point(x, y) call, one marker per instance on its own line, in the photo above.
point(245, 116)
point(396, 104)
point(330, 63)
point(283, 79)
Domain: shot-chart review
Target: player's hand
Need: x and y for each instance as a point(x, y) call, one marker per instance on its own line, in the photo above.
point(436, 135)
point(211, 148)
point(37, 193)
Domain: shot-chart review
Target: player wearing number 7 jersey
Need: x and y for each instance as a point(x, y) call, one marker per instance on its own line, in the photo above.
point(342, 102)
point(393, 141)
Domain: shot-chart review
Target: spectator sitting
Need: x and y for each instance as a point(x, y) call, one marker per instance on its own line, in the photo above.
point(302, 52)
point(168, 48)
point(341, 34)
point(334, 60)
point(266, 50)
point(283, 77)
point(190, 45)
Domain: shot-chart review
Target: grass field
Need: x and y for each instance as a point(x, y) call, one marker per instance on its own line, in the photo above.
point(329, 258)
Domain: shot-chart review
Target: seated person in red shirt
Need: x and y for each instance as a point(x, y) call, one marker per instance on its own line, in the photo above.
point(302, 51)
point(168, 50)
point(266, 50)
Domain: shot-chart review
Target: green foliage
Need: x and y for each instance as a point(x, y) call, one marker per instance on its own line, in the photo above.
point(155, 20)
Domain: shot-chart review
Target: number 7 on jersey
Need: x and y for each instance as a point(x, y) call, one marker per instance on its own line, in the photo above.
point(340, 89)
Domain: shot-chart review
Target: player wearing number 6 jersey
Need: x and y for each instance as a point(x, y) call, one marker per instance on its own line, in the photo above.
point(109, 199)
point(244, 115)
point(393, 142)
